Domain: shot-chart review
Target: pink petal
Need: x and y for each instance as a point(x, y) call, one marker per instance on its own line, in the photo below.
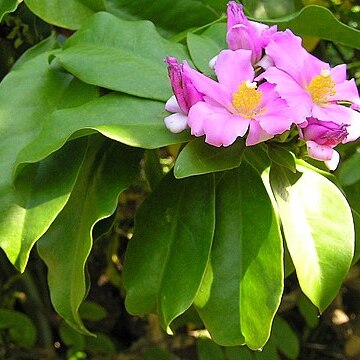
point(176, 123)
point(289, 89)
point(256, 134)
point(220, 126)
point(208, 87)
point(338, 73)
point(288, 55)
point(172, 105)
point(234, 67)
point(338, 114)
point(319, 152)
point(346, 91)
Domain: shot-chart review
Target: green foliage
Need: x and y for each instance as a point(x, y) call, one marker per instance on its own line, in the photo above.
point(77, 111)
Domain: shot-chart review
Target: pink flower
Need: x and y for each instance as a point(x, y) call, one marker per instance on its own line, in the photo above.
point(245, 34)
point(321, 137)
point(301, 78)
point(185, 95)
point(235, 104)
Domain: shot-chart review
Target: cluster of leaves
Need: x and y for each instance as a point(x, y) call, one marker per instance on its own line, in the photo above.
point(75, 120)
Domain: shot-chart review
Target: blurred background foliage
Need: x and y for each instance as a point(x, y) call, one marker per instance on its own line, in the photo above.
point(29, 327)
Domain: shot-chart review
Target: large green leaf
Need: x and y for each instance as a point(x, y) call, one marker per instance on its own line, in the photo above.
point(7, 6)
point(314, 20)
point(28, 95)
point(318, 228)
point(108, 169)
point(243, 283)
point(68, 14)
point(130, 120)
point(121, 55)
point(197, 158)
point(42, 189)
point(170, 15)
point(167, 256)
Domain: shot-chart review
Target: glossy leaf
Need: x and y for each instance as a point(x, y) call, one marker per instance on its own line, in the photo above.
point(21, 119)
point(202, 50)
point(197, 158)
point(243, 284)
point(349, 171)
point(108, 169)
point(20, 327)
point(318, 228)
point(171, 15)
point(132, 63)
point(126, 119)
point(356, 217)
point(208, 350)
point(164, 266)
point(68, 14)
point(315, 21)
point(42, 190)
point(281, 157)
point(7, 6)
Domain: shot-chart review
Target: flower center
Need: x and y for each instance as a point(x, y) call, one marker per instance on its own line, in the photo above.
point(247, 99)
point(321, 88)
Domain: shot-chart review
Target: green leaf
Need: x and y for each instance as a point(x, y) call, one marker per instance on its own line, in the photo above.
point(7, 6)
point(281, 157)
point(243, 284)
point(208, 350)
point(108, 169)
point(164, 266)
point(171, 15)
point(202, 50)
point(308, 311)
point(156, 353)
point(197, 158)
point(318, 228)
point(239, 353)
point(349, 170)
point(42, 190)
point(68, 14)
point(100, 344)
point(356, 217)
point(132, 121)
point(314, 20)
point(71, 337)
point(21, 328)
point(285, 338)
point(92, 311)
point(132, 63)
point(28, 95)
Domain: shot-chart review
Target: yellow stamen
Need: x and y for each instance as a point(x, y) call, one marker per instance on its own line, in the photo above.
point(321, 88)
point(247, 99)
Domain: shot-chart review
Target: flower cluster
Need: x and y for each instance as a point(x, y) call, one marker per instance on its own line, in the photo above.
point(267, 83)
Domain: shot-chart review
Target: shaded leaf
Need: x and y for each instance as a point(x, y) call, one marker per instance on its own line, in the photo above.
point(208, 350)
point(108, 169)
point(7, 6)
point(164, 267)
point(20, 326)
point(197, 158)
point(243, 284)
